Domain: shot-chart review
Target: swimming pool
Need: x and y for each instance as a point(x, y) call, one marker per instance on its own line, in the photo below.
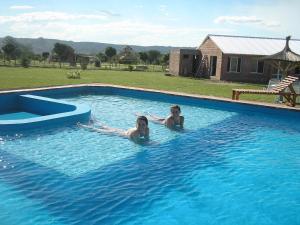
point(233, 164)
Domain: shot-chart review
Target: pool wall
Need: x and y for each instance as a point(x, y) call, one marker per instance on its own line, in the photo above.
point(47, 111)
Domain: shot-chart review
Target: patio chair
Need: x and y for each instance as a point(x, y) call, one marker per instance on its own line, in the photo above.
point(279, 89)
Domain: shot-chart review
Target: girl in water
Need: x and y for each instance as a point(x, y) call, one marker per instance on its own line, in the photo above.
point(139, 132)
point(173, 121)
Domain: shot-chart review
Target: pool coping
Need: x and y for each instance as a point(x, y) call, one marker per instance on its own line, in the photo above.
point(182, 94)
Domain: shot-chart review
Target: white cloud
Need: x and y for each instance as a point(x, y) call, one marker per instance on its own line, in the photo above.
point(120, 32)
point(271, 24)
point(285, 12)
point(21, 7)
point(103, 26)
point(245, 20)
point(109, 13)
point(237, 19)
point(51, 16)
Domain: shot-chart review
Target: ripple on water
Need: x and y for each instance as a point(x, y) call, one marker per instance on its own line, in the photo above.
point(226, 168)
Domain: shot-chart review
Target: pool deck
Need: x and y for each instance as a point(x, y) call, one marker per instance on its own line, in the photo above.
point(206, 97)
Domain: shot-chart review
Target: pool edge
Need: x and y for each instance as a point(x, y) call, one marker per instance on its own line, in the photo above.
point(203, 97)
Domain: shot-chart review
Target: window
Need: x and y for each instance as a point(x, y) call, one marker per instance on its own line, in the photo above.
point(260, 66)
point(257, 66)
point(234, 64)
point(185, 56)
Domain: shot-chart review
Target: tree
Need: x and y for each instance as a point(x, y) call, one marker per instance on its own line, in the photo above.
point(127, 56)
point(153, 56)
point(65, 53)
point(25, 61)
point(1, 54)
point(45, 56)
point(9, 50)
point(14, 50)
point(143, 56)
point(102, 57)
point(37, 57)
point(165, 58)
point(110, 52)
point(26, 55)
point(83, 61)
point(97, 63)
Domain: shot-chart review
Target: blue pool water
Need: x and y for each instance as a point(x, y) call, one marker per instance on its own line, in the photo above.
point(226, 168)
point(17, 116)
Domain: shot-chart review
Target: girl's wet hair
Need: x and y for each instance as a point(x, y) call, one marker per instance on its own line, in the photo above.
point(144, 118)
point(176, 107)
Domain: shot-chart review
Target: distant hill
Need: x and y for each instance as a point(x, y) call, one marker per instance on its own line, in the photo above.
point(40, 45)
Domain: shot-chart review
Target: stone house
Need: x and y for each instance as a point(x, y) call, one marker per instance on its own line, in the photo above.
point(230, 58)
point(184, 62)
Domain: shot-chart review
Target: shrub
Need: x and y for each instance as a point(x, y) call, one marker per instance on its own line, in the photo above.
point(130, 68)
point(97, 63)
point(74, 74)
point(25, 62)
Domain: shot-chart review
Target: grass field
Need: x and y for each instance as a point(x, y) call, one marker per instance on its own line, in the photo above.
point(90, 66)
point(15, 78)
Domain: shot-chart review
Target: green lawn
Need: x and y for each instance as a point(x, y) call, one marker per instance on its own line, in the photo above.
point(104, 66)
point(15, 78)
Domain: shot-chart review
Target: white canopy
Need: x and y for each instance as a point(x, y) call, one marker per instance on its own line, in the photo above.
point(252, 45)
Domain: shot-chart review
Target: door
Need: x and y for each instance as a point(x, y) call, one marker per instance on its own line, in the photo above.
point(196, 60)
point(213, 66)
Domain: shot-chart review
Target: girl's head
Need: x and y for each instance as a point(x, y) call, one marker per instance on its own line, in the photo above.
point(175, 110)
point(142, 122)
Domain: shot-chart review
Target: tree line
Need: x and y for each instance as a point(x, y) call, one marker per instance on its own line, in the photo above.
point(62, 53)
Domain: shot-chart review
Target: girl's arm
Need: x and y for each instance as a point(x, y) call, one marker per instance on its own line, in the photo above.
point(147, 134)
point(156, 119)
point(181, 121)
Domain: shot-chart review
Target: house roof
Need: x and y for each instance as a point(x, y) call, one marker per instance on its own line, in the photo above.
point(252, 45)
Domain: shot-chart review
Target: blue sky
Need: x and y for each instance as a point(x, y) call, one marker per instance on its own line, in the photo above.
point(168, 22)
